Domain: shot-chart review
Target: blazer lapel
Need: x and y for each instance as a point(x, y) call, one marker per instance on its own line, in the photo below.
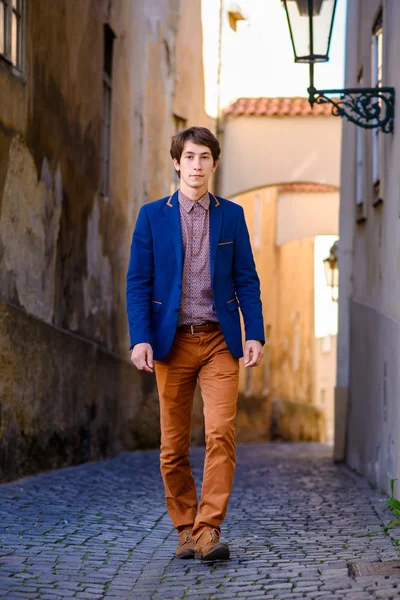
point(215, 228)
point(171, 210)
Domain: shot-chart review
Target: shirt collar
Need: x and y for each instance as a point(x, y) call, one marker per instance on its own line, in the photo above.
point(188, 204)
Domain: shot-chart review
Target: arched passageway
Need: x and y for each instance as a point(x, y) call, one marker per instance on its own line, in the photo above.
point(281, 163)
point(278, 140)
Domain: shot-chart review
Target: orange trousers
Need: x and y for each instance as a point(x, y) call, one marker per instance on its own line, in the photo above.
point(204, 357)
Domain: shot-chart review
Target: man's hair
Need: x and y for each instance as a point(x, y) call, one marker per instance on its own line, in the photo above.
point(198, 135)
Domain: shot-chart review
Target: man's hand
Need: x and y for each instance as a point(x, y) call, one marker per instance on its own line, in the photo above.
point(253, 353)
point(142, 357)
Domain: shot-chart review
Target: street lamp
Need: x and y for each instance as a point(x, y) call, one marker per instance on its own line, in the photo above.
point(310, 27)
point(332, 272)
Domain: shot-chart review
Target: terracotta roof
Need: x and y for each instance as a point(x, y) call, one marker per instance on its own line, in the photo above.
point(306, 188)
point(276, 107)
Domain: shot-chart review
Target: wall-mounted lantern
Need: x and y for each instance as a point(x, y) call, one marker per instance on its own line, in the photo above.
point(310, 26)
point(332, 272)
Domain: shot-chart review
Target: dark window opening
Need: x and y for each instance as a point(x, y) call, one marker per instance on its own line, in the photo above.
point(106, 113)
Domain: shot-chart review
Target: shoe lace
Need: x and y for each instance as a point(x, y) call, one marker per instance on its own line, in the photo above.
point(188, 536)
point(215, 535)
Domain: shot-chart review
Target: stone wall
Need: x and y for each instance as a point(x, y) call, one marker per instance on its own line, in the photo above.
point(68, 392)
point(64, 399)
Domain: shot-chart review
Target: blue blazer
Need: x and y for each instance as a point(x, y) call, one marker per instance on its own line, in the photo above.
point(154, 279)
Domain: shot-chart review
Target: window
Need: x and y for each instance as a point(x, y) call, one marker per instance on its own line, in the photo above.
point(11, 31)
point(377, 76)
point(179, 123)
point(106, 116)
point(360, 140)
point(360, 166)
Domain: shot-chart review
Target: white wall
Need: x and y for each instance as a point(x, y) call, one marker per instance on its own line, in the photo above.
point(369, 317)
point(302, 215)
point(261, 151)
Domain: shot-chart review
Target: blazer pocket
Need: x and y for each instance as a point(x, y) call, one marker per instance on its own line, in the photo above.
point(225, 243)
point(155, 305)
point(233, 304)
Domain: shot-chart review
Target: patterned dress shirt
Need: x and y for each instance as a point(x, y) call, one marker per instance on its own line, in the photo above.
point(197, 303)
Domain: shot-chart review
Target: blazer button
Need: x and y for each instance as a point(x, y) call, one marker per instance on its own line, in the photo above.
point(176, 309)
point(179, 286)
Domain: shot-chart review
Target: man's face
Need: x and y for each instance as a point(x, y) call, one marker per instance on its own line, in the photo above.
point(196, 165)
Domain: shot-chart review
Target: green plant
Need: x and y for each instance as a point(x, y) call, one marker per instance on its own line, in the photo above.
point(393, 502)
point(392, 523)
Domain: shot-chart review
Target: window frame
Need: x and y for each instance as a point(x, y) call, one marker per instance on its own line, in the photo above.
point(106, 116)
point(361, 216)
point(377, 64)
point(14, 9)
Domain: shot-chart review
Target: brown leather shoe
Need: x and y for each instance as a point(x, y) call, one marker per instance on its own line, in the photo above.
point(185, 549)
point(209, 547)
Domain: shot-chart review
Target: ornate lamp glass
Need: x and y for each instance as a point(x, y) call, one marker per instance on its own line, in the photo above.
point(310, 26)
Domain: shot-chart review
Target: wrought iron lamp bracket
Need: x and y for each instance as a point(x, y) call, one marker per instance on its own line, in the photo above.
point(370, 108)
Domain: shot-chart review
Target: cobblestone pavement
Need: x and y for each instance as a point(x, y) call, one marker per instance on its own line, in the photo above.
point(295, 522)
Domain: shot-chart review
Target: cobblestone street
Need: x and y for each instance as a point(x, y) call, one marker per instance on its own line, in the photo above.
point(295, 523)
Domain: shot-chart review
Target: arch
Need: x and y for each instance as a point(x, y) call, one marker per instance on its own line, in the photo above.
point(260, 150)
point(303, 209)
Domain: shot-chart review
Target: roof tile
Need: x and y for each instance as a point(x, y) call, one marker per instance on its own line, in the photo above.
point(276, 107)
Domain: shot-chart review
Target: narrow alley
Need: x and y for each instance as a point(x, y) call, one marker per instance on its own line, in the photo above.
point(298, 526)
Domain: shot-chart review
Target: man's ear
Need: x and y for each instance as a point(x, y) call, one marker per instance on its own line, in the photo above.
point(215, 165)
point(177, 165)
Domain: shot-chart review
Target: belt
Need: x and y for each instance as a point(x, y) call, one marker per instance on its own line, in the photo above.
point(203, 328)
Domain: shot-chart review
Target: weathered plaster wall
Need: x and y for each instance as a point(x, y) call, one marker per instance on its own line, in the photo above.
point(29, 227)
point(64, 249)
point(368, 344)
point(284, 382)
point(81, 403)
point(189, 94)
point(374, 412)
point(295, 361)
point(51, 147)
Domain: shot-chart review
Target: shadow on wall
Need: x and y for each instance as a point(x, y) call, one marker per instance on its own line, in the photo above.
point(295, 422)
point(253, 420)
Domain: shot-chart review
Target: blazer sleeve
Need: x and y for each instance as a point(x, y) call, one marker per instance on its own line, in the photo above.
point(247, 283)
point(139, 281)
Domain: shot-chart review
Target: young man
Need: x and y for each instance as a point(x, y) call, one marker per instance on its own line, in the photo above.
point(190, 269)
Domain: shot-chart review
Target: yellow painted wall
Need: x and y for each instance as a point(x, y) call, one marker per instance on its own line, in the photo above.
point(294, 352)
point(260, 213)
point(287, 376)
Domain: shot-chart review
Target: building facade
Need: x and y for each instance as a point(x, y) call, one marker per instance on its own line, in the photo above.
point(368, 387)
point(91, 93)
point(293, 217)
